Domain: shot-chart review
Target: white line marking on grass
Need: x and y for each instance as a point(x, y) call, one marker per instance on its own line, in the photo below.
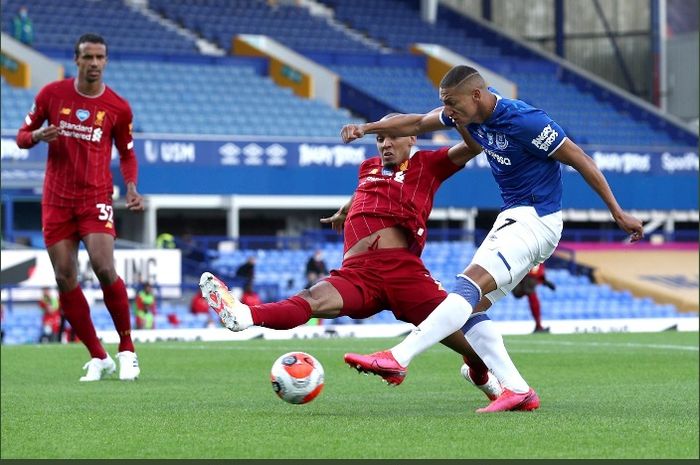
point(258, 347)
point(630, 345)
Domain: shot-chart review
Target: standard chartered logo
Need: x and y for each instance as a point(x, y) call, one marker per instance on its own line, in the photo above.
point(78, 131)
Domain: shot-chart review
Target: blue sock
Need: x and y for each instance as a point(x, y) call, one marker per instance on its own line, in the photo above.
point(468, 289)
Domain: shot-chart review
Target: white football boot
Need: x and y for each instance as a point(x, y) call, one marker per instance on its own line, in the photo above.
point(128, 366)
point(234, 314)
point(96, 368)
point(492, 388)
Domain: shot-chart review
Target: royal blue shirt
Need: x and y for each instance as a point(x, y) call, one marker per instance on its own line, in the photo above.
point(518, 140)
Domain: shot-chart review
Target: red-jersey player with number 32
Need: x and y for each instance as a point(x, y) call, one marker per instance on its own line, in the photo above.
point(84, 118)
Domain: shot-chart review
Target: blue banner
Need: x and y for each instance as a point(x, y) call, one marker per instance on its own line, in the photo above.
point(653, 179)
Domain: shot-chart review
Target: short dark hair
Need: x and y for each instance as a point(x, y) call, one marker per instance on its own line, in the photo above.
point(92, 38)
point(457, 75)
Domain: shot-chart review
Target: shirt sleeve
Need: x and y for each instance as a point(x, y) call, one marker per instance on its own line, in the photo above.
point(363, 170)
point(440, 164)
point(124, 141)
point(446, 120)
point(538, 133)
point(38, 113)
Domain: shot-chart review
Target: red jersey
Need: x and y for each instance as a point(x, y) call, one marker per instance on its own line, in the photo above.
point(78, 166)
point(402, 196)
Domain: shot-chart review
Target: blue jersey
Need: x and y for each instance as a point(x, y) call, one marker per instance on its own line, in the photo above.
point(518, 140)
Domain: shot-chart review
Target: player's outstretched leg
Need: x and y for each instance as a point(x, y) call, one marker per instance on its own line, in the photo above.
point(492, 388)
point(98, 367)
point(379, 363)
point(513, 401)
point(234, 314)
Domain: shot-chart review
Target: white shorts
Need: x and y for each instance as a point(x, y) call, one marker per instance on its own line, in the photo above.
point(519, 240)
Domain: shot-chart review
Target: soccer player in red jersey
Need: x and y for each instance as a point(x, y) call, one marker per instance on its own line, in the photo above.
point(528, 287)
point(385, 230)
point(84, 118)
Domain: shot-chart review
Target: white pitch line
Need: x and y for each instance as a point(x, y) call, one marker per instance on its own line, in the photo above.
point(517, 342)
point(634, 345)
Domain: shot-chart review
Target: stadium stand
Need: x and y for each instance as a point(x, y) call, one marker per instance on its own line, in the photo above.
point(223, 100)
point(56, 26)
point(220, 20)
point(14, 104)
point(583, 110)
point(407, 90)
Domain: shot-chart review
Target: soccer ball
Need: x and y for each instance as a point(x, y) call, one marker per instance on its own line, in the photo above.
point(297, 377)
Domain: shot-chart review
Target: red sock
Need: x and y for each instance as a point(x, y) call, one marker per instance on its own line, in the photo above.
point(535, 308)
point(117, 303)
point(77, 312)
point(478, 371)
point(285, 314)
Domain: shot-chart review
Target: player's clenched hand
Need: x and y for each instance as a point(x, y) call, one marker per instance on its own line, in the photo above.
point(134, 201)
point(337, 220)
point(47, 134)
point(350, 132)
point(630, 225)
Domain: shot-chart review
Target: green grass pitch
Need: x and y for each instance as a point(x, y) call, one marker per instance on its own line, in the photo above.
point(603, 396)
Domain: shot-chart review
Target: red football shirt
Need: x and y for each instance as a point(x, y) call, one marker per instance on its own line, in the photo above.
point(78, 166)
point(402, 196)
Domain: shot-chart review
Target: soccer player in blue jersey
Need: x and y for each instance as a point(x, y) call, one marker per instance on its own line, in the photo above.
point(525, 149)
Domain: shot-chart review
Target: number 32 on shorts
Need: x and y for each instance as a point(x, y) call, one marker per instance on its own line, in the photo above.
point(106, 212)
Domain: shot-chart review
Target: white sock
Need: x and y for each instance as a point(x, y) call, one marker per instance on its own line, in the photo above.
point(447, 318)
point(487, 342)
point(244, 315)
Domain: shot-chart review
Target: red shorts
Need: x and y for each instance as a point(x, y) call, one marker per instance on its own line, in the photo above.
point(59, 223)
point(387, 279)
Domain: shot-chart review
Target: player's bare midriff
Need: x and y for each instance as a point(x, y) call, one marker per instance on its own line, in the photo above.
point(387, 238)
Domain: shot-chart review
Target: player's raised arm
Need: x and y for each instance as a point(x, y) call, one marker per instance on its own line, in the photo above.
point(461, 153)
point(397, 126)
point(571, 154)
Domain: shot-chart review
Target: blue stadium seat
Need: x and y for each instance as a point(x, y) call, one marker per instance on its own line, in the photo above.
point(124, 28)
